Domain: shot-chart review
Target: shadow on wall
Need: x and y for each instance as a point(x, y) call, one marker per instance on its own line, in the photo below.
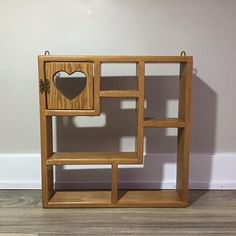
point(203, 133)
point(115, 132)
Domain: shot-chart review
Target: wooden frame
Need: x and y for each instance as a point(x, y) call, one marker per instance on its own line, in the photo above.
point(90, 105)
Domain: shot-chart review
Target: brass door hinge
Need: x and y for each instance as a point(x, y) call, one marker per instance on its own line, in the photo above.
point(44, 86)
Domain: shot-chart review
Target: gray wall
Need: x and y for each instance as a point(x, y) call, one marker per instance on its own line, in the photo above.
point(205, 29)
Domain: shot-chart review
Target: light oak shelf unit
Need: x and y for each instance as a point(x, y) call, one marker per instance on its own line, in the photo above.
point(87, 103)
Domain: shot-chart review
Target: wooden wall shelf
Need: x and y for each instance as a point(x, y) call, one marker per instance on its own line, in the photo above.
point(54, 103)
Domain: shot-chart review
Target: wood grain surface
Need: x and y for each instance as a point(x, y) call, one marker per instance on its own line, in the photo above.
point(56, 99)
point(111, 59)
point(163, 123)
point(210, 213)
point(74, 158)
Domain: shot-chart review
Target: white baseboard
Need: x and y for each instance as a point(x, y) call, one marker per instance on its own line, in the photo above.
point(20, 171)
point(207, 171)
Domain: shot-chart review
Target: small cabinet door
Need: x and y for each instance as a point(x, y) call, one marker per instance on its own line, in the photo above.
point(71, 86)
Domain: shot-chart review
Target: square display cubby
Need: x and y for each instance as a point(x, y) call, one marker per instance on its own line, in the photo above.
point(81, 185)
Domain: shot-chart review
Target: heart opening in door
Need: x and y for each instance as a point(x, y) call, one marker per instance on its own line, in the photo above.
point(70, 85)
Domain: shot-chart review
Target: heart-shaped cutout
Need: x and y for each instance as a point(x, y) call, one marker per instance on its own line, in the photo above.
point(70, 85)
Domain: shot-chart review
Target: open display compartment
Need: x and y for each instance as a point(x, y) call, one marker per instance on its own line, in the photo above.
point(90, 105)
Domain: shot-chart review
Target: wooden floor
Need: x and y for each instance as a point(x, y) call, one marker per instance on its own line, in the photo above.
point(210, 213)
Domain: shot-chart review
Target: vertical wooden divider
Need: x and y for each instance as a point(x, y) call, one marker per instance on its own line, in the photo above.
point(140, 71)
point(114, 183)
point(46, 143)
point(97, 76)
point(183, 141)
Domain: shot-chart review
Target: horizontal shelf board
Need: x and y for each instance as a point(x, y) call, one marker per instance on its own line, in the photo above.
point(163, 123)
point(73, 158)
point(119, 93)
point(71, 112)
point(121, 59)
point(148, 196)
point(141, 198)
point(86, 197)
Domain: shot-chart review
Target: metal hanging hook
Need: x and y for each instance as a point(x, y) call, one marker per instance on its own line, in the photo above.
point(183, 53)
point(46, 53)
